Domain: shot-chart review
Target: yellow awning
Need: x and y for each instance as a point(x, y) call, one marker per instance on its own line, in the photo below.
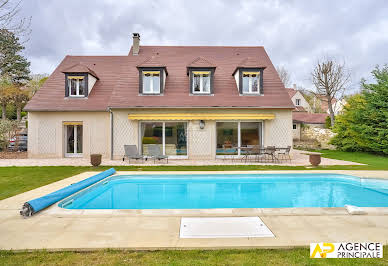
point(75, 77)
point(151, 72)
point(250, 73)
point(201, 116)
point(72, 123)
point(201, 72)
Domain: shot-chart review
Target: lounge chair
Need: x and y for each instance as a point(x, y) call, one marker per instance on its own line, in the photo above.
point(155, 152)
point(131, 152)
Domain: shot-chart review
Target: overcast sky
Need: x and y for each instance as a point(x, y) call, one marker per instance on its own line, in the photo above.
point(294, 33)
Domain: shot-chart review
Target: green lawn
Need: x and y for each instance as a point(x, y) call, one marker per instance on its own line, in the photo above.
point(373, 161)
point(15, 180)
point(299, 256)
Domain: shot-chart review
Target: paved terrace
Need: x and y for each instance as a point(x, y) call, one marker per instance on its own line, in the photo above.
point(299, 158)
point(134, 229)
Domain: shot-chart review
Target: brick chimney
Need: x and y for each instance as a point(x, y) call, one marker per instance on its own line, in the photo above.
point(136, 43)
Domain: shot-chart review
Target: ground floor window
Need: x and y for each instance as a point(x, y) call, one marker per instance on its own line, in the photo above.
point(232, 135)
point(171, 137)
point(73, 140)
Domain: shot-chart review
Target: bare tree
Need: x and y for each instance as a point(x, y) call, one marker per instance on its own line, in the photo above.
point(330, 79)
point(284, 76)
point(11, 20)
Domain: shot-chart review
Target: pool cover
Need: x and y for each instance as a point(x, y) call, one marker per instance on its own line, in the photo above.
point(33, 206)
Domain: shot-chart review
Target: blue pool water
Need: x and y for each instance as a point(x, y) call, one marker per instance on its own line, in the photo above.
point(230, 191)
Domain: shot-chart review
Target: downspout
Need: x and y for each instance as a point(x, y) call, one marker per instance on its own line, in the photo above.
point(111, 133)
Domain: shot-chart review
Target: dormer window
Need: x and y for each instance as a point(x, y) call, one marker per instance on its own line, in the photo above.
point(297, 102)
point(77, 86)
point(201, 81)
point(151, 82)
point(251, 82)
point(79, 81)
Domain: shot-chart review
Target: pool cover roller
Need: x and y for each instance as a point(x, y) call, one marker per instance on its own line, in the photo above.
point(33, 206)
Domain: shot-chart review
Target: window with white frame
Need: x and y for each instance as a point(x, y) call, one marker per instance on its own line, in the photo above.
point(201, 82)
point(76, 86)
point(251, 82)
point(297, 102)
point(151, 82)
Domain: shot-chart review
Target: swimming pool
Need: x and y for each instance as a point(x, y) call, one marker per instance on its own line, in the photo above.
point(230, 191)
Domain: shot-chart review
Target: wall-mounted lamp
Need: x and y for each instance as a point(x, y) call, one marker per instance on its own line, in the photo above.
point(201, 124)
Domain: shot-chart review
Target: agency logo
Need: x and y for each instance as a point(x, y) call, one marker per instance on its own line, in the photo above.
point(346, 250)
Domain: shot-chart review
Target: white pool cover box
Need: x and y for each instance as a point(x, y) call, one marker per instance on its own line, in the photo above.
point(223, 227)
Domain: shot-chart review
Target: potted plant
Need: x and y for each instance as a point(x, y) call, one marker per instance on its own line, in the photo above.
point(95, 159)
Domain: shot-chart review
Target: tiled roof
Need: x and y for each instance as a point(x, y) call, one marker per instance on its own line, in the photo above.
point(324, 102)
point(304, 117)
point(291, 92)
point(118, 85)
point(201, 62)
point(299, 109)
point(152, 61)
point(79, 68)
point(251, 62)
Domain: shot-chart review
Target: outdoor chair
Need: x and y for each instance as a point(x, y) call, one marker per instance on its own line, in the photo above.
point(270, 153)
point(285, 154)
point(155, 152)
point(131, 152)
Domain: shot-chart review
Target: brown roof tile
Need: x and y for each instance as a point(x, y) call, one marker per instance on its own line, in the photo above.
point(118, 86)
point(152, 61)
point(201, 62)
point(291, 92)
point(304, 117)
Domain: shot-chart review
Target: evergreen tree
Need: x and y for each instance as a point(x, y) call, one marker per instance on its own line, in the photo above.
point(12, 64)
point(375, 126)
point(363, 126)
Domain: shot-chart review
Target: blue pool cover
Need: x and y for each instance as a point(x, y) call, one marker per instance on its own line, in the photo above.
point(33, 206)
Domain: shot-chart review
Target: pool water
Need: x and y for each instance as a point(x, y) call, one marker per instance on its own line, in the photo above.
point(230, 191)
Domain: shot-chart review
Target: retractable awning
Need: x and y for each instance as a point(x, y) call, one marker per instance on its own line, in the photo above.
point(201, 116)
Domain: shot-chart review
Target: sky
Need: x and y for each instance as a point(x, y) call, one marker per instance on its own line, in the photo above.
point(295, 34)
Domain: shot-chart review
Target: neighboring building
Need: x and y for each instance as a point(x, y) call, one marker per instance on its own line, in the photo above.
point(195, 102)
point(301, 119)
point(297, 98)
point(322, 105)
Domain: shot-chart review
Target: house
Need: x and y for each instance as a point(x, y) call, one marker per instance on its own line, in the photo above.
point(297, 98)
point(302, 119)
point(196, 102)
point(321, 104)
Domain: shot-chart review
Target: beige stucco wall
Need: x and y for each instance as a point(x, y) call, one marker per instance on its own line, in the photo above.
point(303, 101)
point(201, 142)
point(46, 133)
point(296, 132)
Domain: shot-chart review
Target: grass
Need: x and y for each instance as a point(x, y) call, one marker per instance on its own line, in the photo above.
point(374, 162)
point(15, 180)
point(299, 256)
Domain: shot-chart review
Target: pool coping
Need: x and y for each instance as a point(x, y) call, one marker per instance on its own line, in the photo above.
point(138, 230)
point(57, 211)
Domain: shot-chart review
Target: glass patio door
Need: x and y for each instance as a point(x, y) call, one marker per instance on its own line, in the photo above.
point(171, 137)
point(73, 140)
point(232, 135)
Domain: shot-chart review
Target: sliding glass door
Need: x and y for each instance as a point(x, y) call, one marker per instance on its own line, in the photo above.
point(171, 137)
point(233, 135)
